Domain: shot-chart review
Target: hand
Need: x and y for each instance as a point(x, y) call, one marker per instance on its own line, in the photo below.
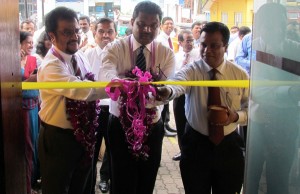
point(232, 117)
point(163, 93)
point(32, 78)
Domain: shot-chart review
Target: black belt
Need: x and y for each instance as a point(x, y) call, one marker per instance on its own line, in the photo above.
point(56, 129)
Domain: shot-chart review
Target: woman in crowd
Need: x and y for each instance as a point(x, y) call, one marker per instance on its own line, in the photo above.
point(30, 102)
point(42, 47)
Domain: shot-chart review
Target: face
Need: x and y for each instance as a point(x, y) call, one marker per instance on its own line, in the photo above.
point(168, 27)
point(145, 27)
point(187, 43)
point(233, 30)
point(84, 25)
point(27, 45)
point(28, 28)
point(105, 33)
point(67, 36)
point(196, 31)
point(212, 48)
point(47, 44)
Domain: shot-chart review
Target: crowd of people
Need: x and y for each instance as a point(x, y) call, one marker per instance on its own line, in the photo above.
point(64, 128)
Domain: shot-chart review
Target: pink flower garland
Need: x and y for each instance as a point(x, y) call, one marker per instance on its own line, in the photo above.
point(135, 118)
point(83, 116)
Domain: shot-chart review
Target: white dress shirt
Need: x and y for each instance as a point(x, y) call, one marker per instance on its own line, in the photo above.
point(164, 39)
point(232, 48)
point(196, 97)
point(117, 62)
point(53, 107)
point(181, 56)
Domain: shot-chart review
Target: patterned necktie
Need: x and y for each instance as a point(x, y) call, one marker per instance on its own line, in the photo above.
point(76, 68)
point(170, 43)
point(216, 133)
point(186, 59)
point(141, 60)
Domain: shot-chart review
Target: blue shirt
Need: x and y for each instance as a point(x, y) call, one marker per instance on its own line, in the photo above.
point(243, 55)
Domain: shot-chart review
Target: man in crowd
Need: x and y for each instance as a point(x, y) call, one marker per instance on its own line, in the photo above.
point(87, 36)
point(212, 160)
point(64, 143)
point(188, 55)
point(235, 44)
point(28, 26)
point(105, 33)
point(131, 175)
point(167, 27)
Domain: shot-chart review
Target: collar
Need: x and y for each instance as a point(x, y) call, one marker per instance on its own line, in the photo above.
point(136, 44)
point(163, 34)
point(65, 56)
point(99, 50)
point(220, 68)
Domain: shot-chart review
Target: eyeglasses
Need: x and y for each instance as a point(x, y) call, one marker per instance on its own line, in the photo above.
point(212, 46)
point(110, 32)
point(70, 33)
point(189, 41)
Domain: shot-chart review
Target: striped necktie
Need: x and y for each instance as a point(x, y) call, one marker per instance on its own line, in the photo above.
point(170, 43)
point(140, 59)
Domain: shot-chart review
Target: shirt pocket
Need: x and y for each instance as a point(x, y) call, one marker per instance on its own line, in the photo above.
point(233, 99)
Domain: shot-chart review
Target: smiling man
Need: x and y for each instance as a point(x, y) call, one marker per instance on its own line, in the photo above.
point(65, 159)
point(212, 159)
point(134, 175)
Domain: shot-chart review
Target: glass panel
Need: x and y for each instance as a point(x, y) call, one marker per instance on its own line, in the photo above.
point(273, 149)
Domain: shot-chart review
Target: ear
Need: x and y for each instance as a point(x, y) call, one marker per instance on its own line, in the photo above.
point(132, 21)
point(52, 36)
point(226, 47)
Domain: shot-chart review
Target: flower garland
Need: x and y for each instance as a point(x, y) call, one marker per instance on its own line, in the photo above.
point(83, 116)
point(135, 118)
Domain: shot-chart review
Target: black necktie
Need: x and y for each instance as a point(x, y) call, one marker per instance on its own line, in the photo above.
point(77, 70)
point(216, 133)
point(140, 59)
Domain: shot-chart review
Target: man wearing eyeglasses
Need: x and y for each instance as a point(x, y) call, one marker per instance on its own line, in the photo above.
point(131, 175)
point(106, 32)
point(64, 151)
point(167, 27)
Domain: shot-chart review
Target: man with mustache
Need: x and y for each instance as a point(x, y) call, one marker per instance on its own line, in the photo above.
point(212, 159)
point(64, 151)
point(105, 33)
point(135, 175)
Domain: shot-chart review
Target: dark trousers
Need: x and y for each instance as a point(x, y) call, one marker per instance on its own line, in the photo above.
point(131, 175)
point(206, 167)
point(64, 167)
point(179, 115)
point(101, 133)
point(165, 114)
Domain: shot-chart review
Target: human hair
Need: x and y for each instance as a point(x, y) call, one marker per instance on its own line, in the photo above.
point(196, 23)
point(59, 13)
point(234, 27)
point(24, 35)
point(165, 19)
point(212, 27)
point(40, 47)
point(84, 17)
point(147, 7)
point(243, 30)
point(27, 22)
point(105, 20)
point(182, 32)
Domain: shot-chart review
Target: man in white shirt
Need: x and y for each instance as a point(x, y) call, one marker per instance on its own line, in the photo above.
point(235, 44)
point(130, 174)
point(87, 36)
point(196, 27)
point(65, 146)
point(187, 55)
point(212, 158)
point(167, 27)
point(105, 33)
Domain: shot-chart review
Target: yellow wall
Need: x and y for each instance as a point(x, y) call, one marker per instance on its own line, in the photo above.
point(232, 6)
